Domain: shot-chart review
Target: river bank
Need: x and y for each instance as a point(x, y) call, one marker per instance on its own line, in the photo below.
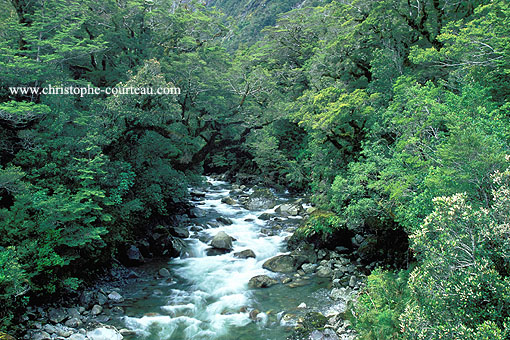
point(240, 275)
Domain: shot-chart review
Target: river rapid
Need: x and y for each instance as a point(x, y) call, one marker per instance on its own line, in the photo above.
point(208, 297)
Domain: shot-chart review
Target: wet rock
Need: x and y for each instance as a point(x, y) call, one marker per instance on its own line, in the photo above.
point(261, 281)
point(298, 283)
point(74, 312)
point(280, 264)
point(163, 272)
point(244, 254)
point(216, 251)
point(324, 271)
point(77, 336)
point(134, 256)
point(41, 336)
point(310, 210)
point(254, 313)
point(101, 298)
point(352, 281)
point(308, 268)
point(228, 200)
point(127, 332)
point(96, 310)
point(222, 241)
point(117, 310)
point(50, 329)
point(181, 232)
point(261, 199)
point(57, 315)
point(291, 209)
point(115, 297)
point(104, 333)
point(224, 220)
point(197, 213)
point(73, 323)
point(265, 216)
point(286, 280)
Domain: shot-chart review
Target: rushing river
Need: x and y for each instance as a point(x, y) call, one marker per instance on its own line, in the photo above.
point(208, 297)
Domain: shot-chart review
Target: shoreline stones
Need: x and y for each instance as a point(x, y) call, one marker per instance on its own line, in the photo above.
point(280, 264)
point(261, 281)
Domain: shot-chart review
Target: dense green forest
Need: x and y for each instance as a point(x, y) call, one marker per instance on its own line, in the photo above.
point(393, 115)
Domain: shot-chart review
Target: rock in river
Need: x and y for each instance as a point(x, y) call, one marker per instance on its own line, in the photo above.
point(222, 241)
point(261, 199)
point(244, 254)
point(261, 281)
point(280, 264)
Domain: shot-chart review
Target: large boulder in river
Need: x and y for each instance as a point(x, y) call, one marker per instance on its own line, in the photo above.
point(222, 241)
point(289, 209)
point(261, 281)
point(260, 199)
point(280, 264)
point(244, 254)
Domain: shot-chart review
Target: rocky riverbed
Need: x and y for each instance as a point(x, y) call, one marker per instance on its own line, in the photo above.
point(240, 269)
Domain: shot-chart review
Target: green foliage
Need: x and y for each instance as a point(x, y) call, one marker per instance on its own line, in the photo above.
point(380, 304)
point(321, 222)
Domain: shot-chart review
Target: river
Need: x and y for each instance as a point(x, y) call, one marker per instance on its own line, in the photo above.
point(207, 297)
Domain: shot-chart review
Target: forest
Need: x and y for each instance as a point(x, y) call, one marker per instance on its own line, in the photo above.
point(392, 115)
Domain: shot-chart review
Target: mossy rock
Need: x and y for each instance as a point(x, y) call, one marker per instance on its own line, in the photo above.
point(311, 321)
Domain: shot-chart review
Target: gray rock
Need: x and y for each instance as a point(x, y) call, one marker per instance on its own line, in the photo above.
point(316, 335)
point(308, 268)
point(41, 336)
point(96, 310)
point(73, 323)
point(323, 271)
point(197, 213)
point(261, 281)
point(352, 281)
point(101, 298)
point(74, 312)
point(134, 255)
point(224, 220)
point(163, 272)
point(280, 264)
point(222, 241)
point(87, 299)
point(261, 199)
point(57, 315)
point(181, 232)
point(77, 336)
point(115, 297)
point(265, 216)
point(244, 254)
point(289, 209)
point(50, 329)
point(228, 200)
point(104, 333)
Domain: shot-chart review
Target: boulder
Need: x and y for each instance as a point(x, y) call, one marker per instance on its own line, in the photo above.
point(244, 254)
point(181, 232)
point(57, 315)
point(104, 333)
point(216, 251)
point(73, 323)
point(96, 310)
point(77, 336)
point(261, 281)
point(261, 199)
point(228, 200)
point(115, 297)
point(289, 209)
point(265, 216)
point(134, 256)
point(324, 271)
point(41, 336)
point(280, 264)
point(197, 213)
point(163, 272)
point(222, 241)
point(87, 299)
point(309, 268)
point(224, 220)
